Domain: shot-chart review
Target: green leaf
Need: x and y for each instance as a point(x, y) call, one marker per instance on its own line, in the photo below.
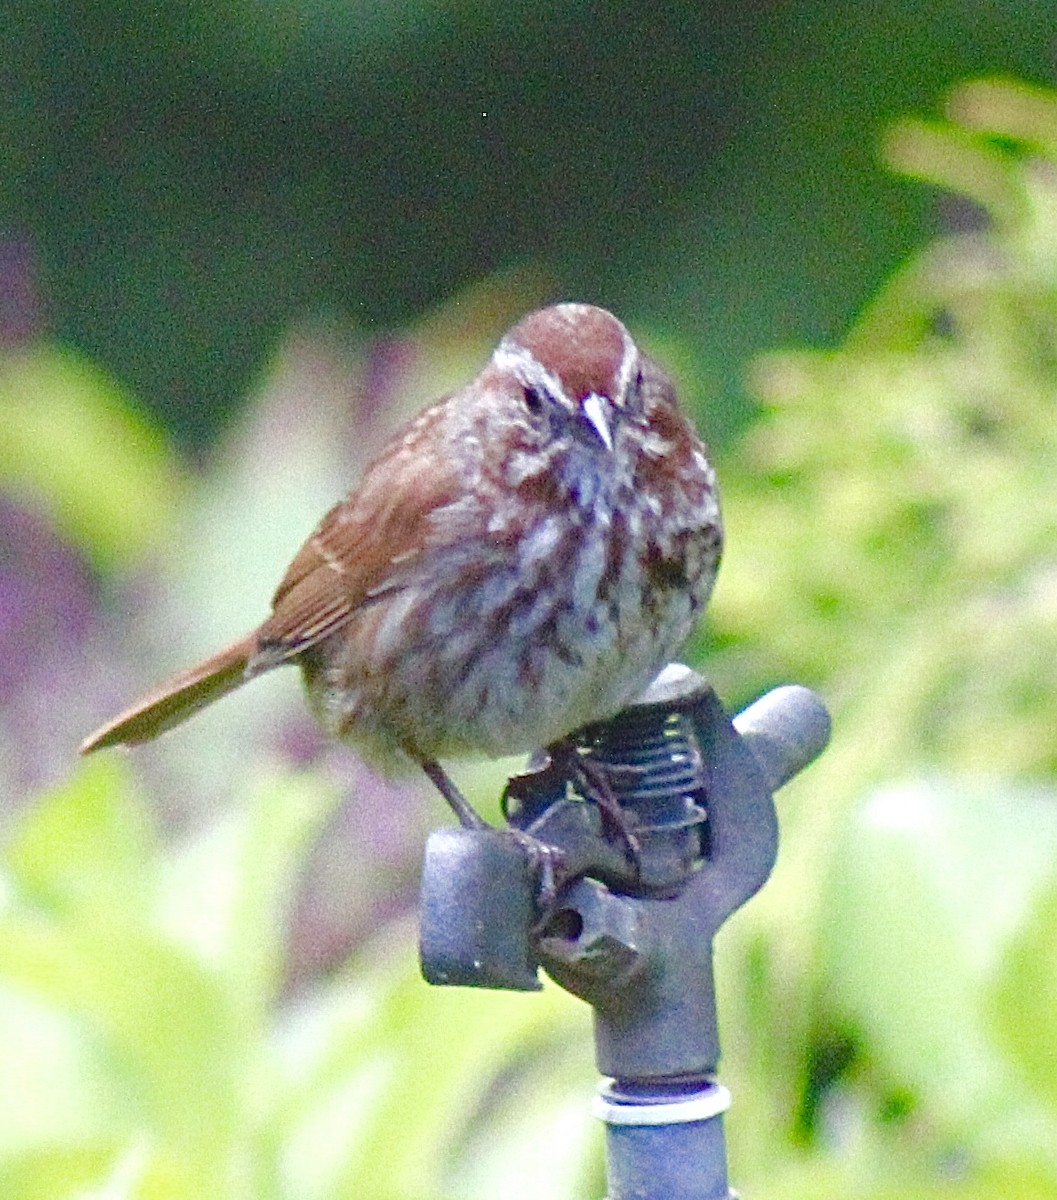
point(129, 1171)
point(387, 1079)
point(58, 1088)
point(893, 1167)
point(72, 442)
point(88, 842)
point(169, 1047)
point(1024, 996)
point(228, 892)
point(931, 880)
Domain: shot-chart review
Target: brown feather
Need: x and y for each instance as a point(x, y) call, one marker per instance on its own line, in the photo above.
point(363, 545)
point(342, 566)
point(178, 698)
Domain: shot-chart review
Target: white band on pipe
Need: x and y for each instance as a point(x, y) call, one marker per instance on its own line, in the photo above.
point(701, 1106)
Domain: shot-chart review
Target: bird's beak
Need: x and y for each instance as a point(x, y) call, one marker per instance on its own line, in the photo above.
point(594, 409)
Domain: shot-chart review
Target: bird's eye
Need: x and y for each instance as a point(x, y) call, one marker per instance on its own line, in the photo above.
point(534, 400)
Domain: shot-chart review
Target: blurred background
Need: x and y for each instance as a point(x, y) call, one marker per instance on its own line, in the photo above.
point(239, 243)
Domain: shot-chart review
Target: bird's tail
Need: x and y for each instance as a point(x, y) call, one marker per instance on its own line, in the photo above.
point(178, 698)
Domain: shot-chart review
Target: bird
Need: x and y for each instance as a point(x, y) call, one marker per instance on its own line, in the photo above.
point(519, 561)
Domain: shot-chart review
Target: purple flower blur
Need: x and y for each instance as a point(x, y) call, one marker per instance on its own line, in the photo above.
point(47, 616)
point(19, 302)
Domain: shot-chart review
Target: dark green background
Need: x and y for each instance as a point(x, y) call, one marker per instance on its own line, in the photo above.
point(191, 176)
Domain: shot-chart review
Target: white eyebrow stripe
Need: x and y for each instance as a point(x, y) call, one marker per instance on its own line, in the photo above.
point(527, 369)
point(627, 365)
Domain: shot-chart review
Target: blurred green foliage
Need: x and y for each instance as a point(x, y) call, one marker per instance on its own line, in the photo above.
point(893, 539)
point(143, 1048)
point(193, 175)
point(72, 444)
point(886, 1002)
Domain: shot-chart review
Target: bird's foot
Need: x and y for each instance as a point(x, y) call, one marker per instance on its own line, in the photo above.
point(595, 781)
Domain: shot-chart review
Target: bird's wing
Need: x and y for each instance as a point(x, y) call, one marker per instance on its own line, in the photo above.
point(363, 546)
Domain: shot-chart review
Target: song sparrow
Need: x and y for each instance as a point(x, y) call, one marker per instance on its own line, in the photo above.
point(520, 561)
